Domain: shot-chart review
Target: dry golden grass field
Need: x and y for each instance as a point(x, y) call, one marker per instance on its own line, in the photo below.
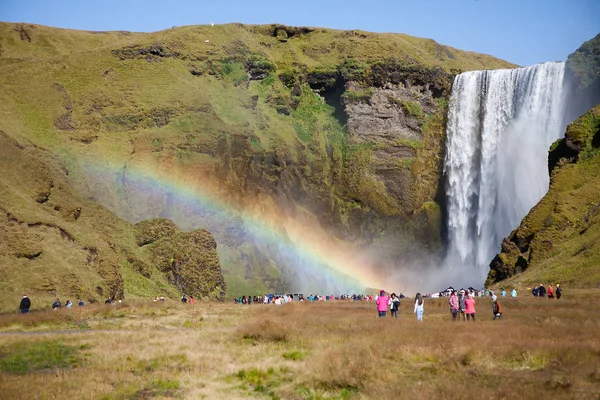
point(331, 350)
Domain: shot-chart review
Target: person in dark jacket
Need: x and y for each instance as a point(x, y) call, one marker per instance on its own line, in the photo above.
point(56, 304)
point(558, 291)
point(462, 305)
point(25, 304)
point(542, 291)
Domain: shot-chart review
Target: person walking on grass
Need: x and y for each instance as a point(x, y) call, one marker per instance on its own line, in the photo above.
point(470, 307)
point(550, 292)
point(419, 307)
point(25, 304)
point(496, 308)
point(453, 301)
point(558, 291)
point(382, 303)
point(394, 304)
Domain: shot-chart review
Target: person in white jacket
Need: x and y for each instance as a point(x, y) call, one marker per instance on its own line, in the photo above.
point(419, 307)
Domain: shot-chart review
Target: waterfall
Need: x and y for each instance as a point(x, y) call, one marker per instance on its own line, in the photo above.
point(500, 126)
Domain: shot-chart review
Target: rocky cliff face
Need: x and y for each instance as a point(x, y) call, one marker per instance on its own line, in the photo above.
point(283, 142)
point(558, 240)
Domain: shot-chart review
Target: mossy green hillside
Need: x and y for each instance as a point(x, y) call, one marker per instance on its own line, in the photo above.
point(254, 112)
point(56, 243)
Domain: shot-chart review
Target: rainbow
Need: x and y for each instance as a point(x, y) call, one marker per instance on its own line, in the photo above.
point(309, 250)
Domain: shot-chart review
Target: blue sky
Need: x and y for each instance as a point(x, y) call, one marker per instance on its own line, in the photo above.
point(521, 31)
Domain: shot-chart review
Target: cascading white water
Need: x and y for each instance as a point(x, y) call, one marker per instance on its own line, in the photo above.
point(500, 126)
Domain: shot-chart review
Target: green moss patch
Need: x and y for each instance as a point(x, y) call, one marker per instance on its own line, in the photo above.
point(26, 357)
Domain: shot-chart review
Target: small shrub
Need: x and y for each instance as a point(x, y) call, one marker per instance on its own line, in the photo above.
point(166, 385)
point(353, 95)
point(295, 355)
point(264, 331)
point(412, 108)
point(234, 72)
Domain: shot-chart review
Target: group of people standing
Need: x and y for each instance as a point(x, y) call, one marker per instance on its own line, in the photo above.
point(540, 291)
point(462, 305)
point(393, 302)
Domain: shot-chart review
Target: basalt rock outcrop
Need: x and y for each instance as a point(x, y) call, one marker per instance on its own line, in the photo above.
point(188, 259)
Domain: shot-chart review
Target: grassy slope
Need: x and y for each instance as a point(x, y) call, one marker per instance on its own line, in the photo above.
point(54, 242)
point(563, 229)
point(67, 92)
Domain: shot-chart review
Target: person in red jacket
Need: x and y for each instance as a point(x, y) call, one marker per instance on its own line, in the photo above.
point(496, 307)
point(550, 292)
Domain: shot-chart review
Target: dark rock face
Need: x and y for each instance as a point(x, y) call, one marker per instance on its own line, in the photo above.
point(389, 121)
point(151, 53)
point(188, 259)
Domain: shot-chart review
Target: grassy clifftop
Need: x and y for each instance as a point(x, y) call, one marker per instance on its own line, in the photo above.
point(283, 45)
point(559, 240)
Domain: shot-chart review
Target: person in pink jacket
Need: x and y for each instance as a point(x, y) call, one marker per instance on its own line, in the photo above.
point(453, 301)
point(470, 307)
point(382, 303)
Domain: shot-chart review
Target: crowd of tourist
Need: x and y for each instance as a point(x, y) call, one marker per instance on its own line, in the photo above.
point(462, 302)
point(283, 298)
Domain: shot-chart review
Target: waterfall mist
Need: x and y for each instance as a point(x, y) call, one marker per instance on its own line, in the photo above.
point(501, 124)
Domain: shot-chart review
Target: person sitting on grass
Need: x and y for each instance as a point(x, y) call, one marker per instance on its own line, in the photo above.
point(496, 308)
point(69, 304)
point(25, 304)
point(419, 309)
